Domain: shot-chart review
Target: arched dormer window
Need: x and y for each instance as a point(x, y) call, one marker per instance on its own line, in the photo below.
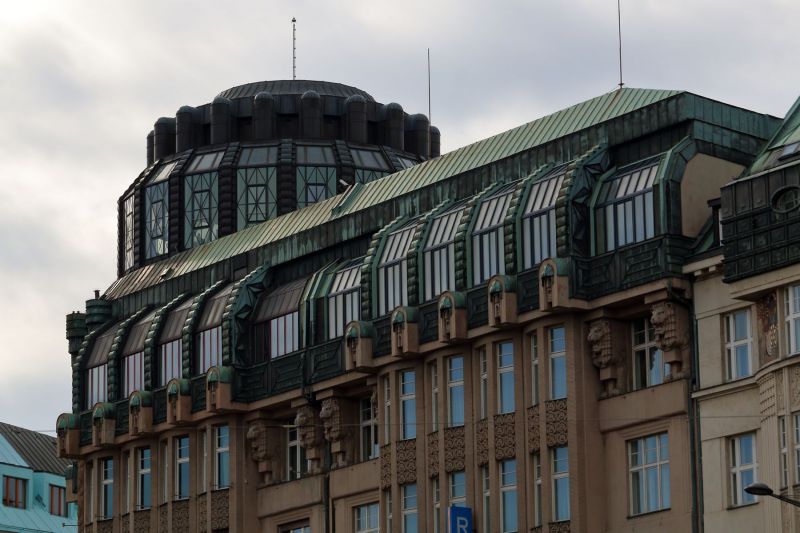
point(133, 355)
point(393, 270)
point(316, 174)
point(170, 344)
point(96, 368)
point(539, 219)
point(344, 298)
point(156, 213)
point(487, 236)
point(276, 322)
point(256, 185)
point(208, 332)
point(200, 194)
point(438, 255)
point(624, 209)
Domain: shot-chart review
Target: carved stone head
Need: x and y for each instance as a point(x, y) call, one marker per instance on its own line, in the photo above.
point(257, 436)
point(599, 338)
point(664, 325)
point(331, 419)
point(308, 432)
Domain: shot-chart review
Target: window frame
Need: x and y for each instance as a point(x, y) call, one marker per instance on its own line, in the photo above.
point(731, 344)
point(558, 362)
point(489, 238)
point(107, 488)
point(358, 527)
point(558, 477)
point(503, 371)
point(408, 404)
point(144, 478)
point(659, 465)
point(648, 349)
point(182, 467)
point(409, 512)
point(508, 489)
point(483, 362)
point(454, 499)
point(208, 349)
point(538, 219)
point(537, 489)
point(369, 430)
point(434, 374)
point(792, 312)
point(295, 455)
point(58, 495)
point(392, 271)
point(736, 467)
point(343, 302)
point(20, 489)
point(200, 207)
point(454, 397)
point(132, 381)
point(222, 448)
point(170, 356)
point(439, 252)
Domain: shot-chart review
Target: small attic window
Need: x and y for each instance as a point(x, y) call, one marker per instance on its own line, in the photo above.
point(790, 150)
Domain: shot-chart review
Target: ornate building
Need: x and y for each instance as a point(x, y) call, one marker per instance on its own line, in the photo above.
point(306, 336)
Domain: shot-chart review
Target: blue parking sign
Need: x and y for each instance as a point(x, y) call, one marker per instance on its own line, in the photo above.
point(459, 520)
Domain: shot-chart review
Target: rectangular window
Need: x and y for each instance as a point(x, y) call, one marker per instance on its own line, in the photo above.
point(539, 219)
point(128, 210)
point(133, 373)
point(455, 391)
point(58, 501)
point(315, 184)
point(344, 299)
point(369, 430)
point(648, 361)
point(792, 298)
point(408, 404)
point(409, 508)
point(558, 363)
point(438, 256)
point(170, 366)
point(537, 489)
point(388, 499)
point(796, 417)
point(784, 452)
point(96, 385)
point(156, 212)
point(458, 489)
point(393, 270)
point(624, 211)
point(181, 467)
point(434, 372)
point(484, 384)
point(742, 450)
point(437, 506)
point(487, 238)
point(387, 410)
point(222, 478)
point(487, 499)
point(534, 370)
point(200, 209)
point(143, 475)
point(737, 344)
point(107, 491)
point(296, 463)
point(284, 334)
point(15, 491)
point(508, 496)
point(209, 349)
point(256, 195)
point(560, 484)
point(367, 518)
point(505, 377)
point(648, 460)
point(298, 529)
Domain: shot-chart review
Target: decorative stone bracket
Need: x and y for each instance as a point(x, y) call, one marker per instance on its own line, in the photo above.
point(219, 393)
point(553, 285)
point(140, 413)
point(311, 437)
point(179, 402)
point(405, 332)
point(606, 356)
point(670, 322)
point(452, 317)
point(502, 294)
point(336, 431)
point(103, 424)
point(358, 339)
point(264, 437)
point(68, 436)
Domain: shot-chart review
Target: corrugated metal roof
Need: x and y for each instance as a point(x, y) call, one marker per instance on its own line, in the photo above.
point(503, 145)
point(173, 326)
point(281, 301)
point(9, 456)
point(138, 334)
point(214, 308)
point(277, 87)
point(102, 347)
point(36, 449)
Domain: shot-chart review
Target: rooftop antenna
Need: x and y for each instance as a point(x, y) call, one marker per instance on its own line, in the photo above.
point(619, 37)
point(294, 48)
point(430, 120)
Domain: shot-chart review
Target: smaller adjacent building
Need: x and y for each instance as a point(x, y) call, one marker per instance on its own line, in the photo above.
point(33, 486)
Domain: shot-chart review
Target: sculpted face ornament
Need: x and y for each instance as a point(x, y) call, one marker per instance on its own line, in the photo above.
point(600, 340)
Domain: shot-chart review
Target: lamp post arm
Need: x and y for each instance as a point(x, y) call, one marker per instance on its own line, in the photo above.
point(796, 503)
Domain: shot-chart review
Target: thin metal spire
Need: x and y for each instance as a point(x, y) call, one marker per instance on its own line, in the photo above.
point(294, 48)
point(619, 37)
point(430, 120)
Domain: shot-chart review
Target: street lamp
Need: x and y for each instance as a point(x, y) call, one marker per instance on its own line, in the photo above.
point(761, 489)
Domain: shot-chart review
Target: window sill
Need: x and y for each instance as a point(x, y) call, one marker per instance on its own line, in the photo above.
point(741, 506)
point(648, 513)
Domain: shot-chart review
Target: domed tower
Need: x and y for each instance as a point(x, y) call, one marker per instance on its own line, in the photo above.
point(258, 151)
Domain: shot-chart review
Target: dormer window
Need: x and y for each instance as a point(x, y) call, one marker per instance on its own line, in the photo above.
point(201, 195)
point(96, 369)
point(208, 339)
point(487, 237)
point(370, 165)
point(133, 356)
point(170, 344)
point(539, 219)
point(393, 270)
point(624, 210)
point(276, 322)
point(438, 256)
point(156, 212)
point(256, 185)
point(344, 298)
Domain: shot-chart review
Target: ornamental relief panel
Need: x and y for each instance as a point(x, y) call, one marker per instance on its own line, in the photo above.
point(533, 429)
point(180, 516)
point(454, 446)
point(559, 527)
point(766, 396)
point(794, 386)
point(220, 509)
point(105, 526)
point(779, 389)
point(125, 523)
point(433, 454)
point(406, 461)
point(163, 525)
point(141, 521)
point(555, 420)
point(504, 441)
point(202, 511)
point(386, 466)
point(767, 310)
point(482, 441)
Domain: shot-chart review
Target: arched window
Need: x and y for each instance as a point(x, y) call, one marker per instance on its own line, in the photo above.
point(487, 236)
point(438, 255)
point(539, 219)
point(393, 270)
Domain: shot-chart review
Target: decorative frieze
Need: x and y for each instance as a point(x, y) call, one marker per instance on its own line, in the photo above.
point(180, 516)
point(386, 466)
point(406, 461)
point(766, 396)
point(202, 512)
point(533, 428)
point(454, 449)
point(163, 518)
point(504, 437)
point(105, 526)
point(482, 441)
point(433, 454)
point(555, 421)
point(559, 527)
point(767, 311)
point(141, 521)
point(794, 386)
point(220, 509)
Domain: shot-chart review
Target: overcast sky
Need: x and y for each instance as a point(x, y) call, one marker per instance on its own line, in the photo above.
point(81, 84)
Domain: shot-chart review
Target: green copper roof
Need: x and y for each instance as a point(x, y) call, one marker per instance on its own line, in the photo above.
point(788, 133)
point(506, 144)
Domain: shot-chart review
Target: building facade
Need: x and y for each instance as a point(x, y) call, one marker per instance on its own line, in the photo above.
point(746, 300)
point(33, 485)
point(507, 327)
